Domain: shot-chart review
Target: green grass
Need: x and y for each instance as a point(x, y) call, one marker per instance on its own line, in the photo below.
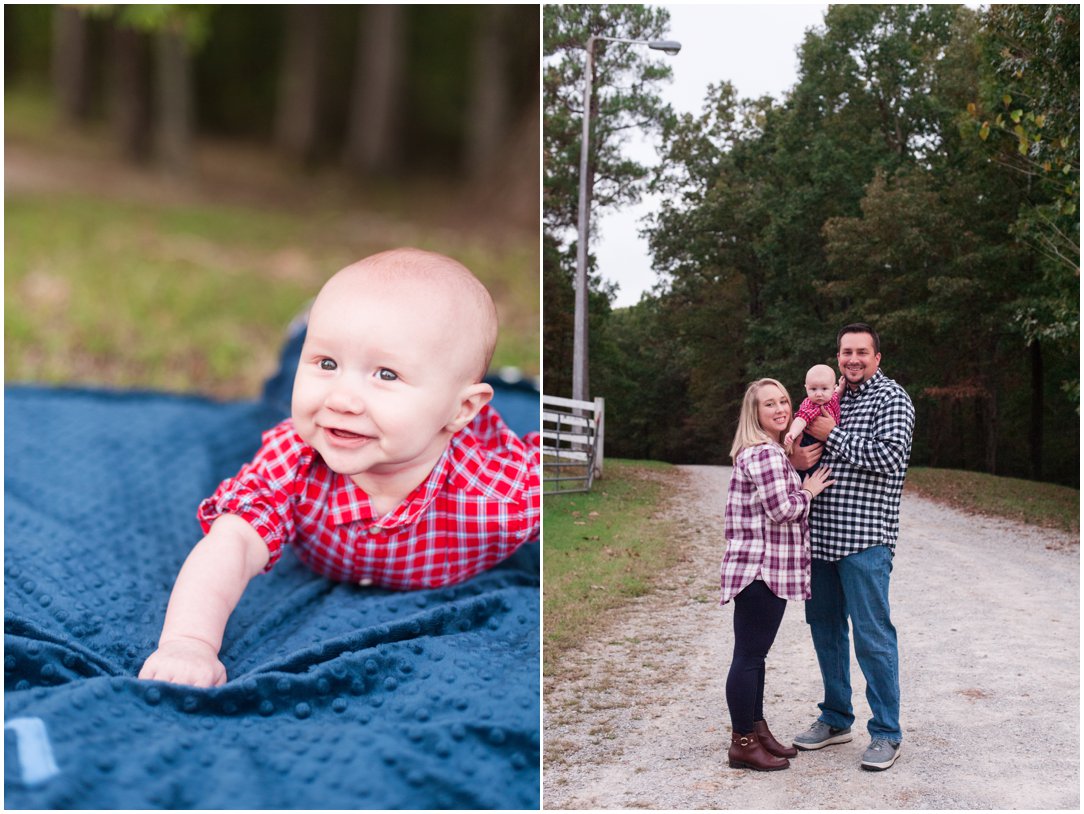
point(186, 298)
point(1040, 504)
point(602, 549)
point(116, 277)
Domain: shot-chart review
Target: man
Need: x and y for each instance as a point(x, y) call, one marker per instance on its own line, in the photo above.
point(854, 527)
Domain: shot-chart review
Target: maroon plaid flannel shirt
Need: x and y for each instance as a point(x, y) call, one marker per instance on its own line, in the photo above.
point(766, 526)
point(480, 503)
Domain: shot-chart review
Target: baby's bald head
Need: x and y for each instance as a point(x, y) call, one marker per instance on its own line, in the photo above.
point(820, 374)
point(442, 288)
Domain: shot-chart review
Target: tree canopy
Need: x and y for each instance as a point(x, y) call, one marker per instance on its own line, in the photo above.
point(921, 175)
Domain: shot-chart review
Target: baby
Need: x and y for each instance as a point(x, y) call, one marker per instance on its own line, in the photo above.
point(392, 470)
point(822, 390)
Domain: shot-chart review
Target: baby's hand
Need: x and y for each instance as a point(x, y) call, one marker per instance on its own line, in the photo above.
point(788, 445)
point(185, 661)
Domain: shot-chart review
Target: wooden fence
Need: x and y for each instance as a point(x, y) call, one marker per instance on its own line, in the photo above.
point(572, 444)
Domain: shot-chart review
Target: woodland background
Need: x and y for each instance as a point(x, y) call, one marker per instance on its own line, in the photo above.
point(180, 180)
point(922, 175)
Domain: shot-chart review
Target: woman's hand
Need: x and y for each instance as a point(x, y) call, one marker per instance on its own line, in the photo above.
point(818, 481)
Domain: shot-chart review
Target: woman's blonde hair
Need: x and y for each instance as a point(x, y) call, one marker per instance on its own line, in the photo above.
point(750, 433)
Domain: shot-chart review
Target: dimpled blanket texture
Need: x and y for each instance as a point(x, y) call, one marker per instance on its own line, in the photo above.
point(339, 696)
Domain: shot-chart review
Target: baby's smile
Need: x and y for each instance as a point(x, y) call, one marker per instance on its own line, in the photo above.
point(340, 437)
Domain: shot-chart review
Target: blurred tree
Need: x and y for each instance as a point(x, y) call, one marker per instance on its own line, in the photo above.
point(176, 29)
point(130, 92)
point(488, 115)
point(297, 119)
point(446, 91)
point(71, 64)
point(372, 139)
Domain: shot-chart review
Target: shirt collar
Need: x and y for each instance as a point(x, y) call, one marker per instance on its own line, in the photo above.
point(462, 466)
point(869, 384)
point(349, 502)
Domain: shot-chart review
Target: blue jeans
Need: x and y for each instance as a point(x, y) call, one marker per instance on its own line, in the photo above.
point(856, 587)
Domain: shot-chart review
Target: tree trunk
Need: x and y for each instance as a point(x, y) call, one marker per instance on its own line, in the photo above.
point(71, 64)
point(1035, 434)
point(487, 121)
point(174, 102)
point(130, 92)
point(991, 432)
point(297, 124)
point(373, 128)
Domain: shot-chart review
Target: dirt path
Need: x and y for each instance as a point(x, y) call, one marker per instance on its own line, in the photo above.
point(988, 618)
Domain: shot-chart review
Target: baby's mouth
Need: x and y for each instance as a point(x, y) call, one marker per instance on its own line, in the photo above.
point(346, 438)
point(344, 433)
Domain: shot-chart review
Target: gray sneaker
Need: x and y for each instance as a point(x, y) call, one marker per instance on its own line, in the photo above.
point(820, 735)
point(880, 755)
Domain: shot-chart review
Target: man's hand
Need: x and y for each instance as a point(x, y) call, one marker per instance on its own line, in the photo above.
point(822, 425)
point(185, 661)
point(804, 458)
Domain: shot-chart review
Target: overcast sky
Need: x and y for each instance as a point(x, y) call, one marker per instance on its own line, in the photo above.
point(752, 46)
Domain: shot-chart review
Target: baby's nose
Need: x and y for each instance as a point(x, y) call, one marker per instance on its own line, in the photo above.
point(345, 400)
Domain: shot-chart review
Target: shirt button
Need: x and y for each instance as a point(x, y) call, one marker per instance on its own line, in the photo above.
point(365, 583)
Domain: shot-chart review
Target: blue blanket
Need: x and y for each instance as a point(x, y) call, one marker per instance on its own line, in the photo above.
point(339, 696)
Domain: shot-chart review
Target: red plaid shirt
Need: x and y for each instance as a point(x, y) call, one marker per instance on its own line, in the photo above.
point(479, 504)
point(809, 411)
point(766, 525)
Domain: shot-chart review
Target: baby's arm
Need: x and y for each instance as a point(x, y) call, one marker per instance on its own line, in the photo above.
point(841, 387)
point(797, 426)
point(210, 585)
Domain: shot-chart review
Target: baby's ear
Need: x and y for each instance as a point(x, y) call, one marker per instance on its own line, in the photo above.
point(471, 399)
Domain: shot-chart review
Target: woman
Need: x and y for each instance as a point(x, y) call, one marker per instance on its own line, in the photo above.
point(767, 562)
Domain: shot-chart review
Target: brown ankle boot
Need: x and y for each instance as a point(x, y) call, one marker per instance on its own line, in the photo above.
point(746, 752)
point(768, 741)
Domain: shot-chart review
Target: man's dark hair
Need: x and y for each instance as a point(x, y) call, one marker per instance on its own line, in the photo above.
point(858, 328)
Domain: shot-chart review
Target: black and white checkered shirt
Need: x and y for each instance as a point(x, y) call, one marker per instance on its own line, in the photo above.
point(868, 454)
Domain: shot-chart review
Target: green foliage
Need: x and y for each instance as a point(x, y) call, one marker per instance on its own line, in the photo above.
point(624, 94)
point(1027, 115)
point(858, 197)
point(190, 20)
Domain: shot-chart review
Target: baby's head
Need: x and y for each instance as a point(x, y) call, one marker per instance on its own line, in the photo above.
point(820, 381)
point(392, 365)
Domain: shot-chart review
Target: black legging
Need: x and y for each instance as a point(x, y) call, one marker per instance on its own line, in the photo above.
point(757, 615)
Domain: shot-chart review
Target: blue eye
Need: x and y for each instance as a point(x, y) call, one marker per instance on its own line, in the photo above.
point(386, 375)
point(328, 364)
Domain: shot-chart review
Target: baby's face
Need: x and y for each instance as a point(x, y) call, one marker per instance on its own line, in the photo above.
point(380, 377)
point(819, 389)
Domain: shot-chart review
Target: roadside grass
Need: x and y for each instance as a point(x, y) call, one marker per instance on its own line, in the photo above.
point(602, 549)
point(1040, 504)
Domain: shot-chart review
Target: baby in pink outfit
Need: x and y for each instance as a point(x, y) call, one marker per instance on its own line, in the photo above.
point(822, 391)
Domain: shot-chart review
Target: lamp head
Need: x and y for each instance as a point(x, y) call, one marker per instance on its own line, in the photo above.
point(670, 47)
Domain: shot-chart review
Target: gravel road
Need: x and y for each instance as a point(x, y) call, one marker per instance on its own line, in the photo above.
point(988, 617)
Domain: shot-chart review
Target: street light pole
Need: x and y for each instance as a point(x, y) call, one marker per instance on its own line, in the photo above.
point(579, 327)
